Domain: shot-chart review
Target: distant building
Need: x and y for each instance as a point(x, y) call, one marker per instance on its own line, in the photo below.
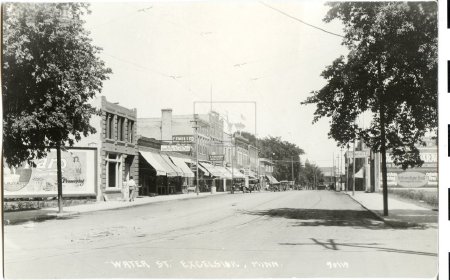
point(329, 175)
point(266, 173)
point(183, 130)
point(168, 128)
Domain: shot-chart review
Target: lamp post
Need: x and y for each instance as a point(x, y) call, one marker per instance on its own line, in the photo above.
point(197, 190)
point(353, 181)
point(292, 167)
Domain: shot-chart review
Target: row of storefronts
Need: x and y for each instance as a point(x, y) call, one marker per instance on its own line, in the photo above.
point(368, 169)
point(126, 147)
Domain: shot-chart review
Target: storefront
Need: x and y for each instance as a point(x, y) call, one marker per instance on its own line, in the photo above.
point(160, 172)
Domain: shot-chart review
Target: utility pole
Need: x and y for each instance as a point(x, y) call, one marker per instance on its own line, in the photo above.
point(196, 154)
point(292, 165)
point(342, 167)
point(347, 161)
point(353, 181)
point(59, 177)
point(233, 150)
point(333, 173)
point(339, 158)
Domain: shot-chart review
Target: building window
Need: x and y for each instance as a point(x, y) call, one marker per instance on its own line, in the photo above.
point(113, 170)
point(130, 131)
point(109, 126)
point(112, 182)
point(120, 129)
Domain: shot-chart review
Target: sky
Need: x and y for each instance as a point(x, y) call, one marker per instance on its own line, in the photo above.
point(251, 61)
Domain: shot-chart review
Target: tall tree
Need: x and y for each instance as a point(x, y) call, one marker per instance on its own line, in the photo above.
point(285, 156)
point(311, 175)
point(50, 70)
point(390, 71)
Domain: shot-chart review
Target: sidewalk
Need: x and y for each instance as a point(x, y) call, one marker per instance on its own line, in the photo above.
point(401, 213)
point(16, 217)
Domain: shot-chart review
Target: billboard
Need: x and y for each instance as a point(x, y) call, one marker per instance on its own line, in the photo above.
point(175, 148)
point(216, 157)
point(412, 179)
point(358, 154)
point(78, 175)
point(183, 138)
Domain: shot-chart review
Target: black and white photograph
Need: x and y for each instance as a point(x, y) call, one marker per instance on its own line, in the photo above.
point(220, 139)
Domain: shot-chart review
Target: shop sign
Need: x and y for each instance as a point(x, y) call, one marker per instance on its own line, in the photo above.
point(411, 179)
point(429, 157)
point(183, 138)
point(358, 154)
point(216, 157)
point(78, 175)
point(175, 148)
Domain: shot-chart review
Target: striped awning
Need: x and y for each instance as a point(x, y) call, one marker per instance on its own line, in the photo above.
point(272, 179)
point(211, 169)
point(181, 163)
point(159, 164)
point(225, 173)
point(172, 165)
point(236, 173)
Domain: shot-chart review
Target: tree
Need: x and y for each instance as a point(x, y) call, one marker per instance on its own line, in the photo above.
point(50, 70)
point(285, 156)
point(311, 175)
point(390, 71)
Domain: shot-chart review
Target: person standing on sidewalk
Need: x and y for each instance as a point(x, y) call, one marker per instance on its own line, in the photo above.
point(132, 188)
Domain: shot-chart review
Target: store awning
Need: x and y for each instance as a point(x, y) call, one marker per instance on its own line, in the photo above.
point(272, 179)
point(181, 163)
point(172, 165)
point(206, 172)
point(236, 173)
point(211, 169)
point(360, 173)
point(159, 164)
point(225, 173)
point(251, 174)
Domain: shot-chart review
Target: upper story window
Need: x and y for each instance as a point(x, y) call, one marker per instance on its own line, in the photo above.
point(130, 131)
point(120, 128)
point(109, 126)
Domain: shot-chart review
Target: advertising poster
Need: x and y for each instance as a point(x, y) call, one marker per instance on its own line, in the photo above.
point(78, 175)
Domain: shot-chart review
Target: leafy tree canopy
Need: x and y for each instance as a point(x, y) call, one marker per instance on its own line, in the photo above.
point(391, 68)
point(281, 152)
point(50, 71)
point(311, 175)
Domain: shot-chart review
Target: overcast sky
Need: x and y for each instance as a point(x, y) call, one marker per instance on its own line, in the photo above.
point(172, 54)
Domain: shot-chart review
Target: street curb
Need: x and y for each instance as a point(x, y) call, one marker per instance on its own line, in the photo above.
point(386, 220)
point(56, 215)
point(371, 211)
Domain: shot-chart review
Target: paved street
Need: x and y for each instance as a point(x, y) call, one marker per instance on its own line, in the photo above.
point(283, 234)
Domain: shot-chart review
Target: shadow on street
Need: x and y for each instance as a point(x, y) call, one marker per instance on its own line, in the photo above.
point(36, 216)
point(342, 218)
point(332, 245)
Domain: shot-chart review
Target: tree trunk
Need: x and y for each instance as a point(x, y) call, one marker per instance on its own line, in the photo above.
point(383, 159)
point(59, 177)
point(383, 140)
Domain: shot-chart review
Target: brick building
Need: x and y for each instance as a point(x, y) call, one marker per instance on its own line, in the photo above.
point(116, 145)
